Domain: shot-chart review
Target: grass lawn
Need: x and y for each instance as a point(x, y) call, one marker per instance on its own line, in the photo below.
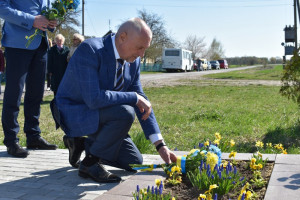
point(270, 72)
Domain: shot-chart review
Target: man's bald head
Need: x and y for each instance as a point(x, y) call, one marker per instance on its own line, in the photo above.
point(135, 25)
point(132, 39)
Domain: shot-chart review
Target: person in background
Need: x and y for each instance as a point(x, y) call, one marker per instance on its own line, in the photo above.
point(48, 77)
point(2, 67)
point(77, 39)
point(57, 61)
point(99, 97)
point(24, 66)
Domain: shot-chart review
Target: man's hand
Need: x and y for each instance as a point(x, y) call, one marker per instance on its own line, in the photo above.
point(167, 155)
point(41, 22)
point(144, 106)
point(52, 24)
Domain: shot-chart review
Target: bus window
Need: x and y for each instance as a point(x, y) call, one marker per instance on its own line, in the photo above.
point(171, 53)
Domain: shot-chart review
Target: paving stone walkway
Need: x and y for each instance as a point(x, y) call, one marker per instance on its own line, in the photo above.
point(47, 175)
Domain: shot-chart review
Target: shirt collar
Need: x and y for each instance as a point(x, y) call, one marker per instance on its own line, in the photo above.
point(114, 46)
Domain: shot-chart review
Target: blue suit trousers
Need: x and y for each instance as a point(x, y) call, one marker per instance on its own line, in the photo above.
point(23, 66)
point(111, 143)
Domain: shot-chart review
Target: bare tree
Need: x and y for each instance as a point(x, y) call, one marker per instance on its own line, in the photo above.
point(196, 45)
point(215, 50)
point(160, 38)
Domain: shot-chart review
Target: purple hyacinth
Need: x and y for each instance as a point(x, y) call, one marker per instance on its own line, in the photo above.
point(216, 196)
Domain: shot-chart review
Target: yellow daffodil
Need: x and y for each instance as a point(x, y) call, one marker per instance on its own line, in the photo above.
point(253, 160)
point(211, 187)
point(259, 154)
point(284, 151)
point(259, 144)
point(259, 166)
point(217, 142)
point(212, 159)
point(206, 143)
point(232, 154)
point(218, 136)
point(173, 198)
point(173, 169)
point(143, 191)
point(269, 144)
point(157, 182)
point(248, 195)
point(278, 146)
point(232, 143)
point(179, 179)
point(177, 169)
point(202, 196)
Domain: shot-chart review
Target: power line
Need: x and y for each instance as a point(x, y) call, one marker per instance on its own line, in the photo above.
point(187, 5)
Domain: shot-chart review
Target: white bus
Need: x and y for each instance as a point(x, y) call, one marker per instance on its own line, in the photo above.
point(177, 59)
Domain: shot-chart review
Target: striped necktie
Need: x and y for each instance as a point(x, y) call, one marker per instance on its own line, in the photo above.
point(120, 80)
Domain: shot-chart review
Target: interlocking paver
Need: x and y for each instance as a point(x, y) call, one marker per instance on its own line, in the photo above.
point(47, 175)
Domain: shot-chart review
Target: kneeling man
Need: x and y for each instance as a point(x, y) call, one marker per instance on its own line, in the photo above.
point(99, 97)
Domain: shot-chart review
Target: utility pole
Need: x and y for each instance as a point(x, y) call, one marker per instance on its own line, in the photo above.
point(295, 23)
point(83, 17)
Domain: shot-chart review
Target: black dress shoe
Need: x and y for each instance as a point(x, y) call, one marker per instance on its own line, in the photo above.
point(75, 146)
point(40, 143)
point(17, 151)
point(98, 173)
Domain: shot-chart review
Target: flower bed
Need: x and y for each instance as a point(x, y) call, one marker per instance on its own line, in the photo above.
point(186, 191)
point(202, 174)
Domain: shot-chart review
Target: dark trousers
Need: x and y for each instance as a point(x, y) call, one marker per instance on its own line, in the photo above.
point(48, 78)
point(111, 143)
point(23, 67)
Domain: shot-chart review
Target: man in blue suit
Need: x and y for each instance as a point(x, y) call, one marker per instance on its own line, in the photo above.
point(24, 65)
point(100, 95)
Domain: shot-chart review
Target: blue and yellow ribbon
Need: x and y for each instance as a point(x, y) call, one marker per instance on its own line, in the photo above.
point(146, 168)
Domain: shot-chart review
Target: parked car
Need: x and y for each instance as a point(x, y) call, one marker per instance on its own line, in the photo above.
point(208, 65)
point(215, 64)
point(223, 64)
point(204, 63)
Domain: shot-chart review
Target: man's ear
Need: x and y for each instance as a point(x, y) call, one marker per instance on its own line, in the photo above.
point(123, 36)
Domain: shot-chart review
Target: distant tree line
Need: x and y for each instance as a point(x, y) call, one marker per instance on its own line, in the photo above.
point(252, 60)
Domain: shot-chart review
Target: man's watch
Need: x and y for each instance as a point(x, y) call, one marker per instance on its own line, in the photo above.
point(160, 145)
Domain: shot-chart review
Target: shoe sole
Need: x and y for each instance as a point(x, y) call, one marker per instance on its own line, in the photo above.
point(40, 148)
point(19, 156)
point(86, 176)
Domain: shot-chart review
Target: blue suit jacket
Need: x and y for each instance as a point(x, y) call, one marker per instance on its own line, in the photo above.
point(87, 86)
point(19, 17)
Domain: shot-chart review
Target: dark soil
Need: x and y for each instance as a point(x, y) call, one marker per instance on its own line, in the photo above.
point(185, 190)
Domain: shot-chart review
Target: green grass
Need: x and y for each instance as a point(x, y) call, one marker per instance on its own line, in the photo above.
point(260, 73)
point(190, 114)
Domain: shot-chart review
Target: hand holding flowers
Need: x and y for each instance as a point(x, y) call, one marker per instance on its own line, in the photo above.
point(49, 17)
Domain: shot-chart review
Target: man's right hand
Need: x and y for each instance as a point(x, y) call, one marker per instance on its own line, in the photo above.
point(144, 106)
point(40, 22)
